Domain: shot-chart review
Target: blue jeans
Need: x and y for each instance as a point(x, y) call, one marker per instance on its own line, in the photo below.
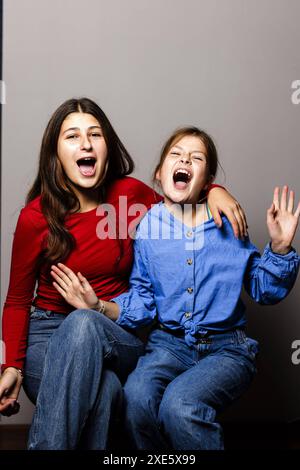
point(74, 370)
point(173, 396)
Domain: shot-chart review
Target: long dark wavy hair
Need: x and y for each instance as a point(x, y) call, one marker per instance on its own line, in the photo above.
point(52, 184)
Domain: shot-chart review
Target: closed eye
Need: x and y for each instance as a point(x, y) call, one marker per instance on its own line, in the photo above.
point(72, 136)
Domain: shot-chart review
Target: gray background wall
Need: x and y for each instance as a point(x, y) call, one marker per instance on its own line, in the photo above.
point(225, 65)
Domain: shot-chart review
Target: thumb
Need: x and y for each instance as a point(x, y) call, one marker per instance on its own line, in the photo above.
point(271, 213)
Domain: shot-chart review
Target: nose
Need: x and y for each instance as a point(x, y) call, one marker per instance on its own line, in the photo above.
point(185, 158)
point(85, 143)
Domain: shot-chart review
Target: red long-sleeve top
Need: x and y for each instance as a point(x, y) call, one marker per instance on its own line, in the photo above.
point(106, 263)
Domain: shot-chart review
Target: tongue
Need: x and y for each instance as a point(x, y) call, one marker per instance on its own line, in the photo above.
point(87, 170)
point(180, 185)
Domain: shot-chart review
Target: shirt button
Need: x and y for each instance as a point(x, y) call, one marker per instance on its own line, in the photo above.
point(189, 261)
point(190, 290)
point(187, 314)
point(189, 233)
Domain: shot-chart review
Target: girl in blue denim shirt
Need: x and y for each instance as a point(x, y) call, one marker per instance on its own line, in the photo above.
point(188, 276)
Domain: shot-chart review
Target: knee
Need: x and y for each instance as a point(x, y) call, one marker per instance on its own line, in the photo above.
point(171, 410)
point(177, 411)
point(79, 328)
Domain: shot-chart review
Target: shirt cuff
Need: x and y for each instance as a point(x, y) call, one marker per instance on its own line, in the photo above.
point(285, 265)
point(290, 255)
point(119, 300)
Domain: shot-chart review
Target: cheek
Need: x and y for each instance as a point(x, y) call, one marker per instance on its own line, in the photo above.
point(165, 173)
point(101, 150)
point(65, 157)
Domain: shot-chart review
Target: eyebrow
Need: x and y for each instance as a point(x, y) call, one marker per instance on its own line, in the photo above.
point(78, 129)
point(193, 151)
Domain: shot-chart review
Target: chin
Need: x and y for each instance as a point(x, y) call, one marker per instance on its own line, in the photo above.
point(85, 184)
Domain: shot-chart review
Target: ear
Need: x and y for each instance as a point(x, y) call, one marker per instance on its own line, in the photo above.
point(157, 175)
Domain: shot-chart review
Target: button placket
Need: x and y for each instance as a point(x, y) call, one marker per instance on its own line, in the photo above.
point(189, 287)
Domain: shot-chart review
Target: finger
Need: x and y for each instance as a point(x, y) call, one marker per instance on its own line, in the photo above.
point(5, 402)
point(276, 198)
point(62, 275)
point(234, 224)
point(217, 217)
point(11, 409)
point(283, 198)
point(291, 202)
point(67, 271)
point(239, 222)
point(60, 290)
point(297, 212)
point(60, 281)
point(244, 220)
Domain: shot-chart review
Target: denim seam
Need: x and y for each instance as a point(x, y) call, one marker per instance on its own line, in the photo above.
point(30, 374)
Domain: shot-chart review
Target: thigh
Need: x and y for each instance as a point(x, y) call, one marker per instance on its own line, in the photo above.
point(160, 365)
point(120, 348)
point(216, 380)
point(42, 325)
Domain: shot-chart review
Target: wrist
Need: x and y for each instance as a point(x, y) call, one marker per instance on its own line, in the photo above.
point(15, 370)
point(280, 248)
point(100, 306)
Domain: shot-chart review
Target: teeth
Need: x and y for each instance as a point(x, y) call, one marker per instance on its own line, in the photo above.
point(183, 171)
point(86, 159)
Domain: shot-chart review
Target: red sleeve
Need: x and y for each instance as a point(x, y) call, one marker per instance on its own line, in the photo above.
point(147, 195)
point(23, 275)
point(211, 186)
point(140, 192)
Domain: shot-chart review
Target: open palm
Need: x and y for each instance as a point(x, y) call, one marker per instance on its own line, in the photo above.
point(76, 290)
point(281, 221)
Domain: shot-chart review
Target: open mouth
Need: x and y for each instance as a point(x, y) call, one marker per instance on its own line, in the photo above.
point(181, 178)
point(87, 166)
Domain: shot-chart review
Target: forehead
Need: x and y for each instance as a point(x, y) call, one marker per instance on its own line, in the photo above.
point(191, 143)
point(80, 120)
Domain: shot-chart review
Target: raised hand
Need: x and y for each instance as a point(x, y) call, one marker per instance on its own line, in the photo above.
point(76, 290)
point(281, 221)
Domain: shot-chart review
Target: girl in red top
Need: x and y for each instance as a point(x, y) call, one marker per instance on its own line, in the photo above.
point(73, 364)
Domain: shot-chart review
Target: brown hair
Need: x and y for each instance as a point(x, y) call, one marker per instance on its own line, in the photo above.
point(211, 151)
point(57, 196)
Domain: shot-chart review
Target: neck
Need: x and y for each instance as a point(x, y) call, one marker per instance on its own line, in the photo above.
point(88, 198)
point(189, 214)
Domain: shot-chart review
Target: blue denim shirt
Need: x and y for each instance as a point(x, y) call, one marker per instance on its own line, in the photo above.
point(192, 278)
